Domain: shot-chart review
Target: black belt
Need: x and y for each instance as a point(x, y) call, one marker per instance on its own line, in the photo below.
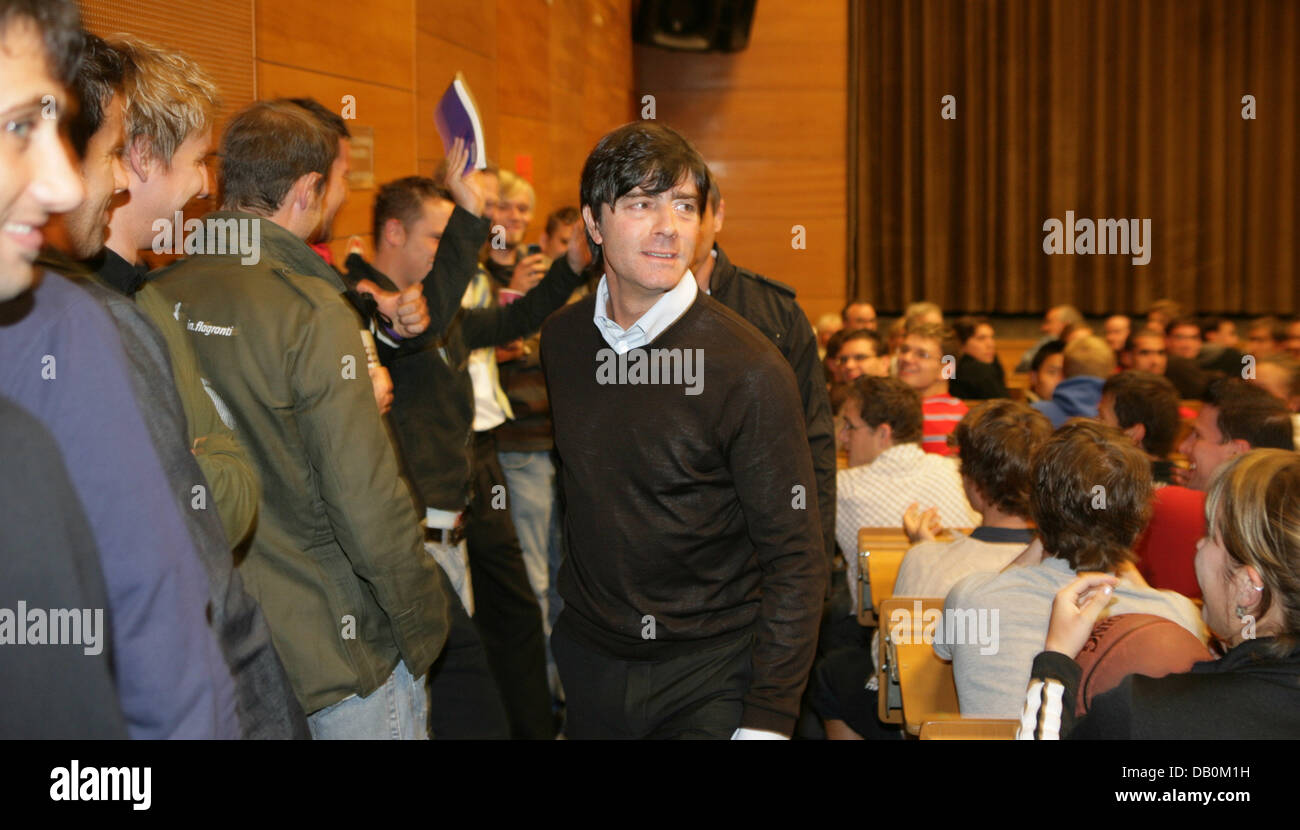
point(445, 535)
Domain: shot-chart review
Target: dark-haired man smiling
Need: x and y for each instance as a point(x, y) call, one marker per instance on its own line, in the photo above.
point(694, 568)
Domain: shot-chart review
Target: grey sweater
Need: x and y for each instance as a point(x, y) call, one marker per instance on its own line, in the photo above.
point(1016, 606)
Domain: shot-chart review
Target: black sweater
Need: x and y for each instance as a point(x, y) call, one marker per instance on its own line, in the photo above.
point(977, 380)
point(1246, 694)
point(699, 510)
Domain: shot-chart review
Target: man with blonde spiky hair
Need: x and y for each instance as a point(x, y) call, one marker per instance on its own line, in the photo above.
point(171, 106)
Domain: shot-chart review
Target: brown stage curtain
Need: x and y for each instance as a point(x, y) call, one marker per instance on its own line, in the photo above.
point(1109, 108)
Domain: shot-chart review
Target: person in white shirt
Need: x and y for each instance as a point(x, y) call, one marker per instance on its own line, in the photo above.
point(888, 470)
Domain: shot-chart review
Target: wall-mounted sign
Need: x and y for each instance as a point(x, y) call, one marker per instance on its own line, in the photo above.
point(362, 176)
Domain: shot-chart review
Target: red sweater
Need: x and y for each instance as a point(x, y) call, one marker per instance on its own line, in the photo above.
point(942, 413)
point(1167, 548)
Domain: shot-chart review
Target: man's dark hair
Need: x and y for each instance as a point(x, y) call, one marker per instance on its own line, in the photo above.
point(997, 441)
point(559, 217)
point(98, 79)
point(1210, 325)
point(1180, 322)
point(1130, 342)
point(58, 24)
point(267, 147)
point(328, 117)
point(404, 200)
point(844, 312)
point(1091, 495)
point(1248, 412)
point(889, 401)
point(965, 328)
point(1276, 329)
point(1045, 351)
point(1149, 400)
point(715, 193)
point(873, 337)
point(835, 342)
point(642, 154)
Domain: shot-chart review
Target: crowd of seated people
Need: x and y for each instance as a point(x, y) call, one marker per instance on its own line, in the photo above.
point(1137, 484)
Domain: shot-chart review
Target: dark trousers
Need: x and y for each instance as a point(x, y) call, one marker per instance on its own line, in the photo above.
point(464, 703)
point(838, 692)
point(506, 612)
point(698, 695)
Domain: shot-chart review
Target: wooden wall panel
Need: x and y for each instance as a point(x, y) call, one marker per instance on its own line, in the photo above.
point(218, 36)
point(372, 41)
point(772, 122)
point(550, 76)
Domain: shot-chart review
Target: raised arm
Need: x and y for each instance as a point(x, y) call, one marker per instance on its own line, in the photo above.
point(497, 326)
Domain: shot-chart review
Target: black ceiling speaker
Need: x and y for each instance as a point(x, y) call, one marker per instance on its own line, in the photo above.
point(694, 25)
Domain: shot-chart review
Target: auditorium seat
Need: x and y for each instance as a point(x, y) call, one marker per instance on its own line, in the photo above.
point(891, 543)
point(970, 729)
point(915, 685)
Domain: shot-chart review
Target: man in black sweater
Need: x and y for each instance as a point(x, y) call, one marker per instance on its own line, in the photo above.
point(694, 569)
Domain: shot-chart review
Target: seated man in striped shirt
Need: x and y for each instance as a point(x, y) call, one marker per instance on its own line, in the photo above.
point(926, 362)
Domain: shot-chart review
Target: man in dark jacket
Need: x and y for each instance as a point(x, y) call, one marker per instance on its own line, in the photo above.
point(770, 307)
point(417, 225)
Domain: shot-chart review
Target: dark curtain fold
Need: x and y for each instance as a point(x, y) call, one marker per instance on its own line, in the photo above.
point(1109, 108)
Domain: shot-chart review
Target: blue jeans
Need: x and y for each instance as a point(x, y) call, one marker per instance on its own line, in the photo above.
point(530, 483)
point(398, 710)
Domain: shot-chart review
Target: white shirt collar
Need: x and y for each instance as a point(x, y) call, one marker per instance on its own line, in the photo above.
point(672, 305)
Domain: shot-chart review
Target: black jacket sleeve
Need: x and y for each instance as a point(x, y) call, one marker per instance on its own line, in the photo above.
point(453, 267)
point(497, 326)
point(808, 372)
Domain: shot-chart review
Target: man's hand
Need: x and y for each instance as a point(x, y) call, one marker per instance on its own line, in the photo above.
point(528, 272)
point(383, 386)
point(921, 527)
point(408, 309)
point(1075, 612)
point(1179, 475)
point(463, 188)
point(513, 350)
